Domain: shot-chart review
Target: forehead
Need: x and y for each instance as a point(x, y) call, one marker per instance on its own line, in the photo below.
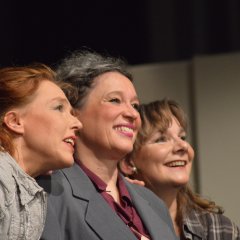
point(49, 87)
point(48, 91)
point(162, 124)
point(113, 82)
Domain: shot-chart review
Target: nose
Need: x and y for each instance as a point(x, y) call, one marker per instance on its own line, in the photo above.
point(180, 146)
point(76, 124)
point(131, 112)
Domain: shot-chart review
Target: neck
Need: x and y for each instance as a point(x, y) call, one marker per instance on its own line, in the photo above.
point(24, 164)
point(104, 168)
point(30, 161)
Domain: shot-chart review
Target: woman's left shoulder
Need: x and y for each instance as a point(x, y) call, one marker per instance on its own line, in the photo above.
point(223, 225)
point(219, 218)
point(141, 192)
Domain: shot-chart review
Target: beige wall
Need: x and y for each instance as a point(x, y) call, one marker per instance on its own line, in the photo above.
point(217, 95)
point(208, 88)
point(155, 81)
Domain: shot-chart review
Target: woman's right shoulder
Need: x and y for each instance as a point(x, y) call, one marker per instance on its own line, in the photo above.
point(6, 172)
point(7, 183)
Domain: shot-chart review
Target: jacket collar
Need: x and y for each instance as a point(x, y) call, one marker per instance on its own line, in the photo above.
point(83, 188)
point(104, 223)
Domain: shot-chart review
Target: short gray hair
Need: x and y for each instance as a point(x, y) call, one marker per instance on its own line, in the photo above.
point(81, 68)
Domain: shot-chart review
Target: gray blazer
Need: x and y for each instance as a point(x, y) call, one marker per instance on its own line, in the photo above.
point(77, 211)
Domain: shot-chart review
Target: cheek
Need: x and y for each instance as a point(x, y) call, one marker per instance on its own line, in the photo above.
point(151, 156)
point(158, 155)
point(190, 153)
point(138, 122)
point(97, 118)
point(46, 124)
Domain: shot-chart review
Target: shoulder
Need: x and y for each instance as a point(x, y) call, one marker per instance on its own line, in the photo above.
point(8, 189)
point(52, 183)
point(146, 194)
point(7, 182)
point(6, 168)
point(212, 224)
point(153, 200)
point(222, 224)
point(62, 183)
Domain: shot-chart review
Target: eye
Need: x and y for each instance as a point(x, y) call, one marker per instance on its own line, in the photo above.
point(184, 137)
point(115, 100)
point(136, 106)
point(59, 107)
point(161, 139)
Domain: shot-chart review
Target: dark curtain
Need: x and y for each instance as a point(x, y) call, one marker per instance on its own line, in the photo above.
point(142, 31)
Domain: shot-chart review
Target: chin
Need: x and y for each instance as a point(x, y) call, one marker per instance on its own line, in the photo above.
point(65, 163)
point(179, 184)
point(120, 153)
point(127, 148)
point(69, 163)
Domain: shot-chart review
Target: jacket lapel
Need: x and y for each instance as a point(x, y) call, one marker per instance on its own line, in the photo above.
point(99, 215)
point(157, 228)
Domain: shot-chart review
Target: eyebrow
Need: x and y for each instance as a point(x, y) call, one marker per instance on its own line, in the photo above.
point(182, 130)
point(60, 99)
point(135, 98)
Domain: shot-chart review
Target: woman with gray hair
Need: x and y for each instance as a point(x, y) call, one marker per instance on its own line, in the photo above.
point(91, 200)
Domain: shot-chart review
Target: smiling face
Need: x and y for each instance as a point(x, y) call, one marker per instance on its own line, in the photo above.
point(48, 130)
point(110, 118)
point(165, 160)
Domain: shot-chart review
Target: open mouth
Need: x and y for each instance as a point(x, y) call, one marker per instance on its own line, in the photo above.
point(179, 163)
point(124, 129)
point(69, 141)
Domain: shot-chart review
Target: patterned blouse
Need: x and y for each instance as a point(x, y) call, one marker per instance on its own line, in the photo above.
point(209, 226)
point(23, 202)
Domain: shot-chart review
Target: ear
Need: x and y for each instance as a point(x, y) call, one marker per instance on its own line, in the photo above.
point(13, 121)
point(126, 167)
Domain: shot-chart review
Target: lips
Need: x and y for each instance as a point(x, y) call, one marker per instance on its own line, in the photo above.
point(177, 163)
point(70, 140)
point(127, 130)
point(124, 129)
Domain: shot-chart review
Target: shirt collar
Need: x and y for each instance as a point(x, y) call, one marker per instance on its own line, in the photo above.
point(27, 185)
point(98, 182)
point(101, 185)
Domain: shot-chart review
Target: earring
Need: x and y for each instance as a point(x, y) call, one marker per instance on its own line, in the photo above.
point(134, 169)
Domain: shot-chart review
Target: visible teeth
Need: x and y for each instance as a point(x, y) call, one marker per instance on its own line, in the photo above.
point(176, 164)
point(69, 140)
point(124, 129)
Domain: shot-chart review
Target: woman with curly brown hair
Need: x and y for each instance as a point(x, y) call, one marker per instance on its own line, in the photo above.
point(162, 158)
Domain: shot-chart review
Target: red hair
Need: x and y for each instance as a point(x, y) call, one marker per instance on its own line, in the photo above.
point(17, 85)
